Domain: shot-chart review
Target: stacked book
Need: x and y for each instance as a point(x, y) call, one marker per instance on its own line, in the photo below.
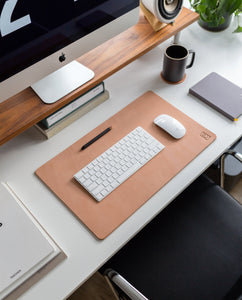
point(72, 111)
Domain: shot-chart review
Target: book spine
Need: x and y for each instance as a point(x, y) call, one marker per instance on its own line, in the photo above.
point(58, 126)
point(211, 105)
point(75, 104)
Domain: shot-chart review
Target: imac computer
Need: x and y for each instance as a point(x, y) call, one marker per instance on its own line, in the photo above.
point(40, 40)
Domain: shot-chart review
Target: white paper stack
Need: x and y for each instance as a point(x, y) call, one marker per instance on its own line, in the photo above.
point(24, 246)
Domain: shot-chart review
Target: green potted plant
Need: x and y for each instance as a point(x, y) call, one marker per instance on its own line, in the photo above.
point(215, 15)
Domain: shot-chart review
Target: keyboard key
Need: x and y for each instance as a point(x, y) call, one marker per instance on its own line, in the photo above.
point(129, 172)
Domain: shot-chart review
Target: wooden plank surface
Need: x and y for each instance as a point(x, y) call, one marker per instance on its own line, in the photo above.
point(25, 109)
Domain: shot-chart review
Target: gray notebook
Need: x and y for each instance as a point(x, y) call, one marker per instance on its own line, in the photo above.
point(220, 93)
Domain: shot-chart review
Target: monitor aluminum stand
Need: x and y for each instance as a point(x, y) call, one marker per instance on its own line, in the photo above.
point(61, 82)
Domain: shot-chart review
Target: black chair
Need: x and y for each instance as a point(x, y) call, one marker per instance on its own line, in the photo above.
point(191, 250)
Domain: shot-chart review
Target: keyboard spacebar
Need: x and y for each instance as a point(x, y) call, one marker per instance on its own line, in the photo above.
point(129, 172)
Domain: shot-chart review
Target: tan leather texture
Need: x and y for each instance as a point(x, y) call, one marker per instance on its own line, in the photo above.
point(104, 217)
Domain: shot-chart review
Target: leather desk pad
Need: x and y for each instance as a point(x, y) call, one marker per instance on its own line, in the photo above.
point(104, 217)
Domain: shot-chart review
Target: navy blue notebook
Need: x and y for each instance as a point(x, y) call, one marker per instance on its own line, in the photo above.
point(220, 93)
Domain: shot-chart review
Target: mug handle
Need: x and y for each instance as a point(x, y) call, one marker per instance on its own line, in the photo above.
point(192, 60)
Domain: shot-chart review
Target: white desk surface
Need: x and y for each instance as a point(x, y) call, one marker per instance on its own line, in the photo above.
point(20, 157)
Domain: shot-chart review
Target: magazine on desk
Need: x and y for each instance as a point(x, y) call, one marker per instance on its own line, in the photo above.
point(26, 248)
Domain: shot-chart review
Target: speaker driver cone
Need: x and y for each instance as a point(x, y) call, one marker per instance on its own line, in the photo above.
point(170, 5)
point(165, 11)
point(169, 9)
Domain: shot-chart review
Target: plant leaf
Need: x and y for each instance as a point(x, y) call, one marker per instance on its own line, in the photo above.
point(214, 11)
point(230, 6)
point(238, 29)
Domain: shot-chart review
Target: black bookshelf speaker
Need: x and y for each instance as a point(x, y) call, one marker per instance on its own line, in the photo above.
point(165, 11)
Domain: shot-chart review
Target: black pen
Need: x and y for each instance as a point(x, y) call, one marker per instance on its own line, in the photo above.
point(96, 138)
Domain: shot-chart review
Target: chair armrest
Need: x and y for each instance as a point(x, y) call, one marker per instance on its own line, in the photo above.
point(124, 285)
point(236, 155)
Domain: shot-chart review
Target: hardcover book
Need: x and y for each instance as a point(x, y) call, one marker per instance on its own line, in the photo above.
point(48, 132)
point(74, 105)
point(219, 93)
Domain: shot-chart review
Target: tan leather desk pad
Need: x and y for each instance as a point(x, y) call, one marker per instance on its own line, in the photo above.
point(105, 216)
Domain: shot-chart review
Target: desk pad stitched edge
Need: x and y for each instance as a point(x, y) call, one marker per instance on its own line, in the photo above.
point(104, 217)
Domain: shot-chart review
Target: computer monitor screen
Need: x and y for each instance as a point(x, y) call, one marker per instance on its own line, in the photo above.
point(39, 37)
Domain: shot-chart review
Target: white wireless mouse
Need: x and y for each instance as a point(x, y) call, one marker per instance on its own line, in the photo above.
point(170, 125)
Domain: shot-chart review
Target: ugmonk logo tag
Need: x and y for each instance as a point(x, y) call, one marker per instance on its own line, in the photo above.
point(205, 135)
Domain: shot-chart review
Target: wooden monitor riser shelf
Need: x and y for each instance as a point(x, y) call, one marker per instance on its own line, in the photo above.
point(25, 109)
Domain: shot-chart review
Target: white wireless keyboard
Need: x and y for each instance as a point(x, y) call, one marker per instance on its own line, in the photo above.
point(106, 172)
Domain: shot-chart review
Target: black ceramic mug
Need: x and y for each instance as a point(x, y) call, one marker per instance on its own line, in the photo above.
point(175, 63)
